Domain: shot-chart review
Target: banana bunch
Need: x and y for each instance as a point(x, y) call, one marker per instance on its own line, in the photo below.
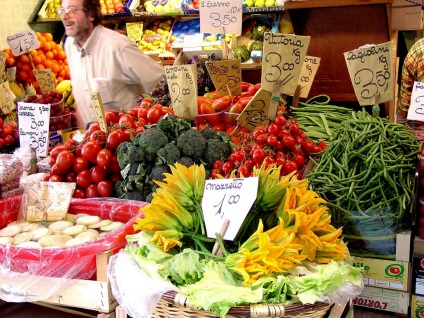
point(65, 88)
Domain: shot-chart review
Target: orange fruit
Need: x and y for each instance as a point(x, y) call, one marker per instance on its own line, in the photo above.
point(55, 67)
point(54, 51)
point(48, 36)
point(62, 73)
point(24, 58)
point(19, 64)
point(47, 63)
point(10, 62)
point(61, 55)
point(22, 75)
point(46, 46)
point(37, 60)
point(49, 55)
point(33, 53)
point(42, 57)
point(39, 66)
point(42, 40)
point(26, 67)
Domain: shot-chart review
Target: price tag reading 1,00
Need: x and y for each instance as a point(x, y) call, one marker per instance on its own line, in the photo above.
point(227, 199)
point(216, 15)
point(34, 126)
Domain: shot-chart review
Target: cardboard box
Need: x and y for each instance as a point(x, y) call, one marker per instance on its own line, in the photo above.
point(417, 306)
point(403, 246)
point(407, 17)
point(384, 273)
point(383, 299)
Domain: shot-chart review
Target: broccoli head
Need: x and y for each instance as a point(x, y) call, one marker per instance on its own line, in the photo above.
point(157, 173)
point(216, 150)
point(192, 144)
point(136, 154)
point(134, 195)
point(210, 133)
point(168, 154)
point(173, 126)
point(186, 161)
point(152, 140)
point(122, 154)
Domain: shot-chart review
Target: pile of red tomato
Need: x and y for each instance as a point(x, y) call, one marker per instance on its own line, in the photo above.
point(282, 143)
point(9, 136)
point(92, 163)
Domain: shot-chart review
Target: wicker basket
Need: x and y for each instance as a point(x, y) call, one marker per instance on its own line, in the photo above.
point(173, 304)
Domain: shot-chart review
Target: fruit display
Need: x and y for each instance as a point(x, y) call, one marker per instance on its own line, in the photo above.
point(51, 7)
point(65, 88)
point(163, 6)
point(111, 6)
point(9, 136)
point(49, 55)
point(155, 36)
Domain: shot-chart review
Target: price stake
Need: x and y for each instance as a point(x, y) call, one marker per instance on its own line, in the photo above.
point(34, 126)
point(370, 71)
point(218, 14)
point(226, 76)
point(227, 199)
point(45, 80)
point(10, 74)
point(256, 111)
point(7, 98)
point(416, 109)
point(282, 59)
point(2, 62)
point(182, 83)
point(307, 74)
point(135, 31)
point(23, 42)
point(97, 104)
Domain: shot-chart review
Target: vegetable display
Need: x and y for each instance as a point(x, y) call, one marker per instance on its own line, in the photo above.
point(367, 177)
point(289, 235)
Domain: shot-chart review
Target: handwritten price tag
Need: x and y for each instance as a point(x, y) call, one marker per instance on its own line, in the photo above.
point(97, 104)
point(256, 111)
point(7, 98)
point(227, 199)
point(2, 62)
point(23, 42)
point(226, 76)
point(307, 74)
point(45, 80)
point(34, 126)
point(182, 83)
point(218, 14)
point(416, 109)
point(10, 74)
point(282, 59)
point(370, 71)
point(135, 30)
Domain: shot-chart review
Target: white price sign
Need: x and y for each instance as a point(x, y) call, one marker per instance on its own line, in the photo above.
point(23, 42)
point(416, 109)
point(34, 126)
point(218, 15)
point(228, 199)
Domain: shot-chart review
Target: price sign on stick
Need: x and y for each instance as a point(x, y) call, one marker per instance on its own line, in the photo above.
point(282, 60)
point(2, 62)
point(226, 76)
point(307, 74)
point(370, 71)
point(45, 80)
point(97, 104)
point(135, 30)
point(7, 98)
point(23, 42)
point(227, 199)
point(10, 73)
point(34, 126)
point(182, 83)
point(416, 109)
point(256, 111)
point(218, 14)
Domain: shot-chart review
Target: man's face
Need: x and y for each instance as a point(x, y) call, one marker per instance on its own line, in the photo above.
point(76, 21)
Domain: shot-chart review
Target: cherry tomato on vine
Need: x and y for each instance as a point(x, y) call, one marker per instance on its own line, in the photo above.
point(115, 138)
point(64, 161)
point(84, 179)
point(98, 174)
point(111, 116)
point(90, 150)
point(105, 188)
point(100, 136)
point(104, 158)
point(80, 164)
point(91, 191)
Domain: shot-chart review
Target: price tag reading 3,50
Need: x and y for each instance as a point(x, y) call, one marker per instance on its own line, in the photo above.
point(34, 126)
point(282, 60)
point(226, 76)
point(228, 199)
point(182, 83)
point(370, 71)
point(216, 15)
point(23, 42)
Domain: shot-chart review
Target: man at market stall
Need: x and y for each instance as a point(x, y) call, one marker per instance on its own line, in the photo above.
point(412, 71)
point(103, 60)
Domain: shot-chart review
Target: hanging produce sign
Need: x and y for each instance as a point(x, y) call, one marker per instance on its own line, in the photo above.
point(134, 31)
point(416, 109)
point(283, 58)
point(370, 71)
point(2, 62)
point(96, 102)
point(216, 15)
point(307, 74)
point(226, 76)
point(255, 113)
point(45, 80)
point(182, 83)
point(23, 42)
point(34, 126)
point(6, 98)
point(227, 199)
